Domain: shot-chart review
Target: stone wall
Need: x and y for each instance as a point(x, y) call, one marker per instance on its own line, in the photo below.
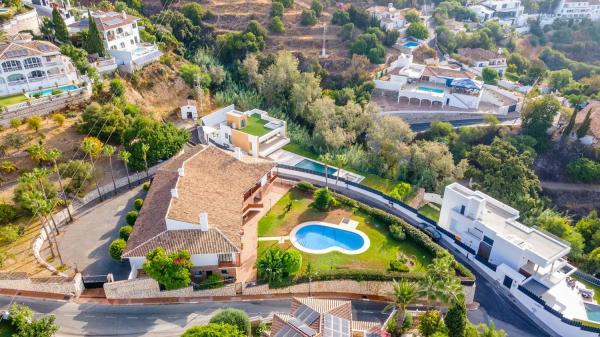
point(58, 285)
point(148, 288)
point(25, 21)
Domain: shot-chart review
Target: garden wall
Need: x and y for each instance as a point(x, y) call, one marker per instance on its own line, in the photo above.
point(57, 285)
point(148, 288)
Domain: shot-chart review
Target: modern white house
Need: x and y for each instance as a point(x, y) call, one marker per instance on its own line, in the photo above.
point(389, 16)
point(507, 12)
point(121, 37)
point(203, 201)
point(28, 65)
point(577, 10)
point(189, 110)
point(479, 58)
point(253, 131)
point(531, 264)
point(46, 7)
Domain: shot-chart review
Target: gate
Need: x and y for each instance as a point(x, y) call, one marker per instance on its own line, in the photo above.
point(94, 281)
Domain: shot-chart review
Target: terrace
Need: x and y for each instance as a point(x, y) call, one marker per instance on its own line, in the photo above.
point(255, 126)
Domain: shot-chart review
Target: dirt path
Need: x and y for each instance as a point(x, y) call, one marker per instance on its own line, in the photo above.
point(551, 185)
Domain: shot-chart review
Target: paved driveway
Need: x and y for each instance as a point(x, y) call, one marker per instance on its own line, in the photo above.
point(84, 243)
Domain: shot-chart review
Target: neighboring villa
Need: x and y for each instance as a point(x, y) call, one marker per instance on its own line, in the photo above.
point(527, 262)
point(507, 12)
point(29, 65)
point(577, 10)
point(46, 6)
point(389, 16)
point(479, 58)
point(592, 136)
point(253, 131)
point(312, 317)
point(441, 87)
point(202, 201)
point(12, 23)
point(121, 37)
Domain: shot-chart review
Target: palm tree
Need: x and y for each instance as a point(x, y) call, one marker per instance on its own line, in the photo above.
point(145, 149)
point(327, 159)
point(440, 283)
point(340, 160)
point(125, 156)
point(36, 176)
point(53, 155)
point(404, 294)
point(92, 147)
point(108, 151)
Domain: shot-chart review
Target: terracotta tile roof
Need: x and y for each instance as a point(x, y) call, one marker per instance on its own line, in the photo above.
point(594, 107)
point(110, 20)
point(23, 48)
point(213, 182)
point(446, 72)
point(479, 54)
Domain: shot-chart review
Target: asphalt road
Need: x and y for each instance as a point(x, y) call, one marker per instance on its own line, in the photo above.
point(159, 320)
point(419, 127)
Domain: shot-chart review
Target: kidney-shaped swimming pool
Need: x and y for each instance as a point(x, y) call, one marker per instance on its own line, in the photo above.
point(319, 238)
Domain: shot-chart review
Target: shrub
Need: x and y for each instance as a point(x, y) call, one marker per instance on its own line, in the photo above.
point(37, 95)
point(584, 169)
point(408, 322)
point(34, 123)
point(213, 281)
point(323, 199)
point(397, 232)
point(116, 248)
point(400, 191)
point(286, 3)
point(172, 271)
point(131, 217)
point(308, 17)
point(10, 233)
point(117, 88)
point(234, 317)
point(7, 213)
point(146, 186)
point(276, 9)
point(213, 330)
point(58, 118)
point(138, 203)
point(398, 266)
point(16, 122)
point(430, 323)
point(340, 17)
point(305, 186)
point(8, 167)
point(316, 6)
point(124, 232)
point(277, 25)
point(56, 91)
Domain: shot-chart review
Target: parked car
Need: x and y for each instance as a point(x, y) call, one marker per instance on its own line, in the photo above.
point(432, 233)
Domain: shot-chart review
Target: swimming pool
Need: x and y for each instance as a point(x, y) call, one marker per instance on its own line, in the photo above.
point(48, 91)
point(593, 312)
point(410, 44)
point(430, 89)
point(314, 166)
point(320, 237)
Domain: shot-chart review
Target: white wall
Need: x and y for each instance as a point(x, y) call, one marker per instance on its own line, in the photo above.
point(179, 225)
point(205, 260)
point(504, 252)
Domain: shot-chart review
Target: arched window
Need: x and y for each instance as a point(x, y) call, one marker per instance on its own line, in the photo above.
point(36, 74)
point(119, 30)
point(15, 77)
point(11, 65)
point(32, 62)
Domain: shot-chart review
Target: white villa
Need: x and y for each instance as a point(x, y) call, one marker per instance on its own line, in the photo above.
point(577, 10)
point(507, 12)
point(29, 65)
point(121, 37)
point(389, 16)
point(253, 131)
point(529, 263)
point(479, 58)
point(26, 21)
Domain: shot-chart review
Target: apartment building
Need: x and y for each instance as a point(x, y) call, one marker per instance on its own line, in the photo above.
point(27, 65)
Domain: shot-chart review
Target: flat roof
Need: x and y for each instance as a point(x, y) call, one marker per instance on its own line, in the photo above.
point(502, 219)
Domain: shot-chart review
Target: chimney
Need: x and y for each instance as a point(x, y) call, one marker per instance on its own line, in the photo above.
point(181, 171)
point(124, 15)
point(174, 193)
point(203, 217)
point(238, 153)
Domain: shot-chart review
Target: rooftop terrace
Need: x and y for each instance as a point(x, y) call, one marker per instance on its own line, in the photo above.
point(256, 126)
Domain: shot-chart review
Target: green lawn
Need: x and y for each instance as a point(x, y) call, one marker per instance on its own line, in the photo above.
point(593, 287)
point(256, 126)
point(383, 248)
point(6, 330)
point(371, 180)
point(10, 100)
point(433, 212)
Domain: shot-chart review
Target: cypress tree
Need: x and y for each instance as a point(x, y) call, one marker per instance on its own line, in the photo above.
point(571, 125)
point(60, 28)
point(93, 44)
point(585, 125)
point(456, 319)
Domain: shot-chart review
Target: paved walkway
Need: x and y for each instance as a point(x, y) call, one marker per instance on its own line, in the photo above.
point(281, 239)
point(570, 187)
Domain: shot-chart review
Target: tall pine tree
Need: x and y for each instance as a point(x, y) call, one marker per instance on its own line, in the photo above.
point(93, 43)
point(585, 125)
point(60, 28)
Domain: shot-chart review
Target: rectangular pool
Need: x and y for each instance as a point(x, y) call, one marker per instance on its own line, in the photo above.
point(593, 312)
point(45, 92)
point(308, 164)
point(410, 44)
point(430, 89)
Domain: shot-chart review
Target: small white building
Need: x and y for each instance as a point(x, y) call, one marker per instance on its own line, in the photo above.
point(121, 37)
point(189, 110)
point(532, 265)
point(389, 16)
point(479, 58)
point(29, 65)
point(507, 12)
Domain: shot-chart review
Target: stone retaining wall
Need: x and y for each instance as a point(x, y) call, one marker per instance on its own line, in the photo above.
point(58, 285)
point(148, 288)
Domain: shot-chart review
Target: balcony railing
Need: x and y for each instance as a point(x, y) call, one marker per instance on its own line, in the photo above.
point(247, 207)
point(17, 82)
point(228, 264)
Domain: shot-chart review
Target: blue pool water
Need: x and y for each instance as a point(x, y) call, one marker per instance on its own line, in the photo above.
point(593, 312)
point(319, 237)
point(410, 44)
point(430, 89)
point(48, 91)
point(314, 166)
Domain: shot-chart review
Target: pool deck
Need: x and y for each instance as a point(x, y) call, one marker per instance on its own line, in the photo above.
point(292, 159)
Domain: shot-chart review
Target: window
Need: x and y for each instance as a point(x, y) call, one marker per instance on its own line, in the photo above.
point(133, 25)
point(36, 74)
point(462, 209)
point(16, 78)
point(224, 272)
point(131, 41)
point(225, 257)
point(488, 240)
point(122, 44)
point(197, 273)
point(11, 65)
point(32, 62)
point(119, 30)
